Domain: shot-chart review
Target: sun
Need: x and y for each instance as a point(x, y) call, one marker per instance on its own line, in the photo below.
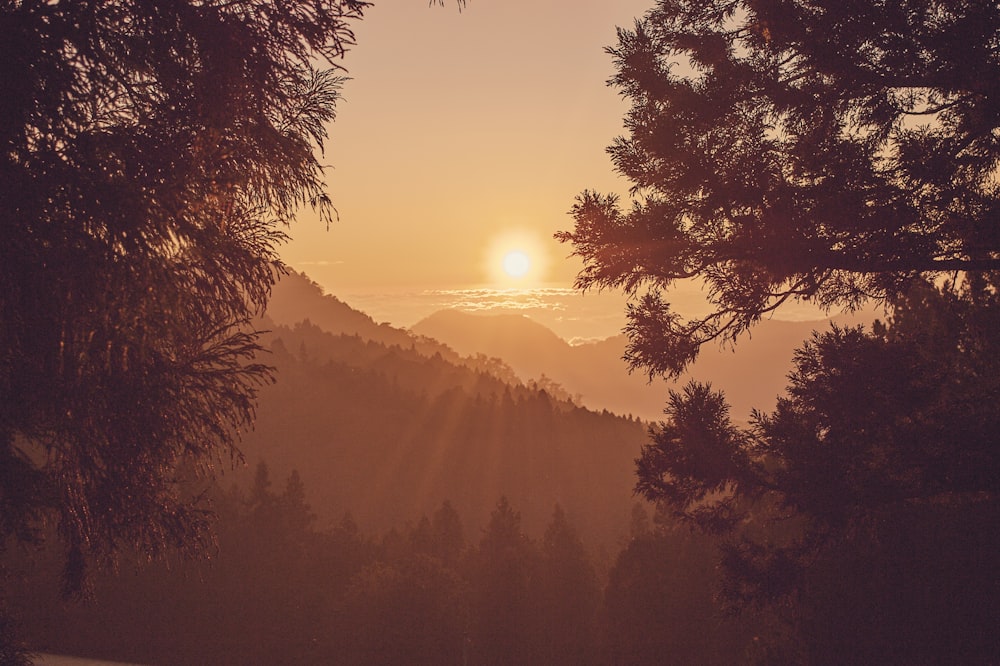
point(516, 259)
point(516, 263)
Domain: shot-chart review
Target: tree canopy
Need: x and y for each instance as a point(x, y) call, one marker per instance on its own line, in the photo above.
point(151, 154)
point(900, 414)
point(883, 438)
point(794, 149)
point(837, 153)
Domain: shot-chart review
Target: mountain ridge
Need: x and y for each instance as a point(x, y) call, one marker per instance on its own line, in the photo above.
point(595, 371)
point(384, 424)
point(521, 350)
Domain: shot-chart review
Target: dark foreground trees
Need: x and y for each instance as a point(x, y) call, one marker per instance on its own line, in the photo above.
point(150, 153)
point(802, 149)
point(660, 602)
point(865, 500)
point(282, 590)
point(838, 153)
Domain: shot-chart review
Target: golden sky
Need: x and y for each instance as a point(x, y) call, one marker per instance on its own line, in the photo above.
point(462, 136)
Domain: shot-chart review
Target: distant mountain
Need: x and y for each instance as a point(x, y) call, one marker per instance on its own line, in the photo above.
point(296, 298)
point(517, 348)
point(515, 338)
point(594, 371)
point(752, 376)
point(385, 424)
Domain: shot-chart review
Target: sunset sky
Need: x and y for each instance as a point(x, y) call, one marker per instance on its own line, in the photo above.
point(463, 136)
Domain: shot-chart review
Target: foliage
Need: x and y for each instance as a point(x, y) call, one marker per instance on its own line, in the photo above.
point(882, 436)
point(13, 649)
point(505, 572)
point(660, 602)
point(389, 432)
point(280, 590)
point(837, 153)
point(569, 595)
point(706, 455)
point(412, 611)
point(794, 149)
point(151, 153)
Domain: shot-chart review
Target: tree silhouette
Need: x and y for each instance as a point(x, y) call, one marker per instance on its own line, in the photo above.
point(838, 153)
point(784, 150)
point(503, 579)
point(883, 439)
point(569, 594)
point(660, 606)
point(447, 534)
point(412, 611)
point(151, 153)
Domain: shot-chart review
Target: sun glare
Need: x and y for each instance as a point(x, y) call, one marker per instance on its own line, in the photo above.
point(516, 259)
point(516, 264)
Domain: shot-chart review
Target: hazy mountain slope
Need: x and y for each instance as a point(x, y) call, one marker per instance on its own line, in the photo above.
point(594, 371)
point(752, 376)
point(296, 298)
point(387, 434)
point(515, 338)
point(386, 423)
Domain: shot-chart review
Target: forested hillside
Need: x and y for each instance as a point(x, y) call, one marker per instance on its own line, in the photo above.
point(383, 446)
point(281, 590)
point(387, 433)
point(296, 297)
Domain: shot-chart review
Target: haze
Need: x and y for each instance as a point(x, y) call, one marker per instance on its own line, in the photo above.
point(421, 443)
point(464, 136)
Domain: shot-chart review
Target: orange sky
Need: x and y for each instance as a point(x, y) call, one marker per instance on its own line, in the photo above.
point(464, 134)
